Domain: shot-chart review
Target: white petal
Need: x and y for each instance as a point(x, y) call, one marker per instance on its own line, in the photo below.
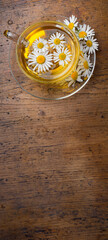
point(70, 83)
point(61, 62)
point(66, 22)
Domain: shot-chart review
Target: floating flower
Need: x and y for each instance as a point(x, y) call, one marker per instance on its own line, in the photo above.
point(85, 31)
point(71, 23)
point(40, 45)
point(62, 56)
point(75, 76)
point(90, 45)
point(40, 61)
point(85, 65)
point(57, 40)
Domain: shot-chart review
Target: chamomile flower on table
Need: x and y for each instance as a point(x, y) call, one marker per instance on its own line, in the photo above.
point(40, 61)
point(75, 76)
point(85, 65)
point(56, 40)
point(84, 32)
point(72, 22)
point(90, 45)
point(62, 56)
point(40, 44)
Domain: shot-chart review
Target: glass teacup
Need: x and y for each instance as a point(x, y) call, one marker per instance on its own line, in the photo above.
point(53, 83)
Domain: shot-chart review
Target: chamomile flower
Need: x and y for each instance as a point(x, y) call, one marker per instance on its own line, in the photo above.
point(90, 45)
point(71, 23)
point(85, 65)
point(75, 76)
point(62, 56)
point(40, 61)
point(40, 44)
point(57, 40)
point(85, 31)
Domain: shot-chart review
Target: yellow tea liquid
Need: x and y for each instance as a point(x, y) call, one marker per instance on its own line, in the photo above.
point(57, 74)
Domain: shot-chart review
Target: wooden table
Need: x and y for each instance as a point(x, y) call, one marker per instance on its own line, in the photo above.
point(54, 154)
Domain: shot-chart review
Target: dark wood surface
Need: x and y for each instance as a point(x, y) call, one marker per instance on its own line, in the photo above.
point(54, 154)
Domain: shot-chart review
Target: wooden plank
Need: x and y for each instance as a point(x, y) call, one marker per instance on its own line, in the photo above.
point(54, 154)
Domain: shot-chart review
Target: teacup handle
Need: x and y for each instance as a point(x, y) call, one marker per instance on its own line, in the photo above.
point(11, 35)
point(14, 37)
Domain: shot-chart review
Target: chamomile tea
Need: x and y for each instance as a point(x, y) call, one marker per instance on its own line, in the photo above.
point(48, 52)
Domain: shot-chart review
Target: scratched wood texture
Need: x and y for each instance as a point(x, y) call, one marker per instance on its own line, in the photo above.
point(54, 154)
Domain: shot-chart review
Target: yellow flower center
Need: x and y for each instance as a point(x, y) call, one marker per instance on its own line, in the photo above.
point(40, 59)
point(86, 66)
point(40, 45)
point(62, 56)
point(71, 25)
point(74, 75)
point(82, 34)
point(57, 41)
point(89, 43)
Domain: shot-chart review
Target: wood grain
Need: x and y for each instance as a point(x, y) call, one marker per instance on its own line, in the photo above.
point(54, 154)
